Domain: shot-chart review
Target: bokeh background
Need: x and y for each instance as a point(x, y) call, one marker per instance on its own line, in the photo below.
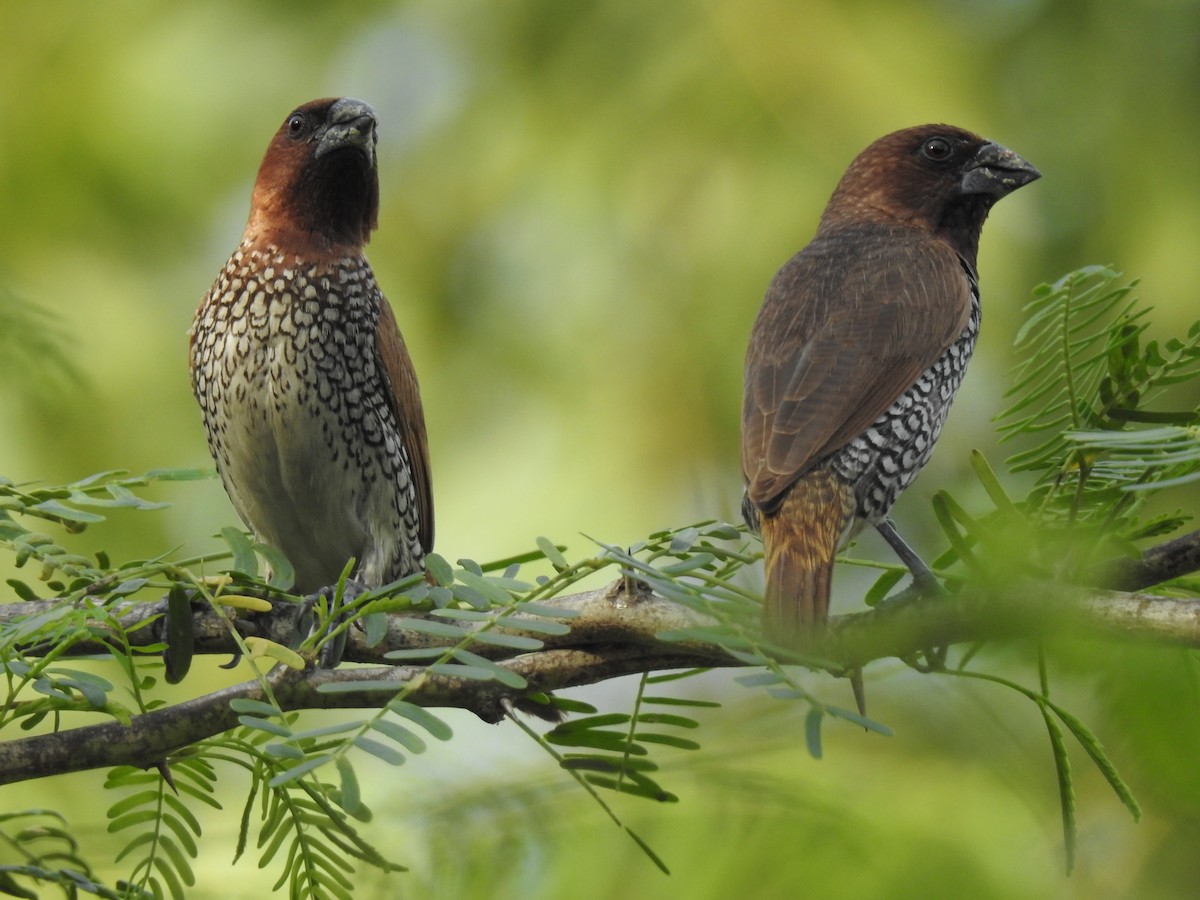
point(582, 204)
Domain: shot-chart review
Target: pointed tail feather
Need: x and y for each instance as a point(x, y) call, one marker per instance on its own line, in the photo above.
point(800, 541)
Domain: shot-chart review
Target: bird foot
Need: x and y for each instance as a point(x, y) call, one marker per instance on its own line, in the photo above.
point(332, 649)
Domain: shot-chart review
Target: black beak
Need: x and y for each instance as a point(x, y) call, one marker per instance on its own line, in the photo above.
point(351, 124)
point(998, 171)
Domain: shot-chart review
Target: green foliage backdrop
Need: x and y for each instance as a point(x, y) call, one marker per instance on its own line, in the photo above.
point(582, 205)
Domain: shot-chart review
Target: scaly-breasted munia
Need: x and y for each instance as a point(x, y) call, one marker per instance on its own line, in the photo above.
point(857, 352)
point(309, 397)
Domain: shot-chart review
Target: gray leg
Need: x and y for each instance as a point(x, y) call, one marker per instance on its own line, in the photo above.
point(923, 577)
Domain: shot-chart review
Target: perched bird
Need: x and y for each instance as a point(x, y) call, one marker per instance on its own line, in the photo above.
point(861, 343)
point(307, 390)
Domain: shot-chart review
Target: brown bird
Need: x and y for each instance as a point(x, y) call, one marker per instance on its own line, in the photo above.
point(861, 343)
point(308, 394)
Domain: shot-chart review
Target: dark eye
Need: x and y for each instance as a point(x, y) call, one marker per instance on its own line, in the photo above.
point(295, 125)
point(937, 149)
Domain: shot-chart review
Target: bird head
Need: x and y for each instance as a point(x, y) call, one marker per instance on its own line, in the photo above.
point(318, 185)
point(935, 177)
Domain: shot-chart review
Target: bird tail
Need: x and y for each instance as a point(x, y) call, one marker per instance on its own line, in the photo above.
point(800, 540)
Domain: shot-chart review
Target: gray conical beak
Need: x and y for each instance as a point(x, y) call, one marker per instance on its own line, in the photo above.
point(998, 171)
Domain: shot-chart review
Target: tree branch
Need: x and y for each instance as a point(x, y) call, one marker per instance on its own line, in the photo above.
point(1172, 559)
point(612, 634)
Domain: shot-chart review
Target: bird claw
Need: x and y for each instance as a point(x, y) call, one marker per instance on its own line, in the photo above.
point(333, 648)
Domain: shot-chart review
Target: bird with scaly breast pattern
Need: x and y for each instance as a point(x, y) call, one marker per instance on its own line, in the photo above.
point(309, 397)
point(860, 345)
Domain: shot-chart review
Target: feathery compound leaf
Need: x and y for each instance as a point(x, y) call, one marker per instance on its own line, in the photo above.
point(1062, 343)
point(1066, 790)
point(1092, 745)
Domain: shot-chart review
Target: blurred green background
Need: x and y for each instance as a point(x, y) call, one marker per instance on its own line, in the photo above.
point(582, 205)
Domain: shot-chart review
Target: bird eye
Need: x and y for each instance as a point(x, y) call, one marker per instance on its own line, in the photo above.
point(295, 125)
point(936, 149)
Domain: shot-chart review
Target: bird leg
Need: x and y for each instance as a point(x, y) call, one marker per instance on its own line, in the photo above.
point(331, 652)
point(923, 578)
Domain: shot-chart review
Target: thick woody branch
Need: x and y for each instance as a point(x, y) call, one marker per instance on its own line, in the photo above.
point(612, 634)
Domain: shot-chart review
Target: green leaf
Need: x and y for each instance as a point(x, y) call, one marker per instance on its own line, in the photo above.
point(552, 553)
point(458, 670)
point(668, 740)
point(493, 594)
point(130, 819)
point(181, 474)
point(439, 570)
point(375, 628)
point(512, 641)
point(244, 560)
point(351, 798)
point(297, 772)
point(54, 509)
point(253, 707)
point(407, 739)
point(1094, 749)
point(267, 725)
point(1066, 790)
point(667, 719)
point(650, 854)
point(324, 731)
point(416, 653)
point(599, 721)
point(991, 484)
point(680, 701)
point(141, 798)
point(283, 575)
point(385, 752)
point(883, 586)
point(683, 540)
point(432, 628)
point(423, 717)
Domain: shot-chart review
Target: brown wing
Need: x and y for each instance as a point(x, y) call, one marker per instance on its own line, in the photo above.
point(406, 404)
point(847, 326)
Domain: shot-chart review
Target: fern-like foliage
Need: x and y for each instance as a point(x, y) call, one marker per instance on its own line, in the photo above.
point(163, 828)
point(1091, 389)
point(1104, 427)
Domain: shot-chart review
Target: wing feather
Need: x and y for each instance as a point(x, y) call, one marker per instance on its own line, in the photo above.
point(853, 321)
point(405, 399)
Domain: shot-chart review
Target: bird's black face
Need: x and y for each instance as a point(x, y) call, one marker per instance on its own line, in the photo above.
point(957, 163)
point(953, 179)
point(323, 160)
